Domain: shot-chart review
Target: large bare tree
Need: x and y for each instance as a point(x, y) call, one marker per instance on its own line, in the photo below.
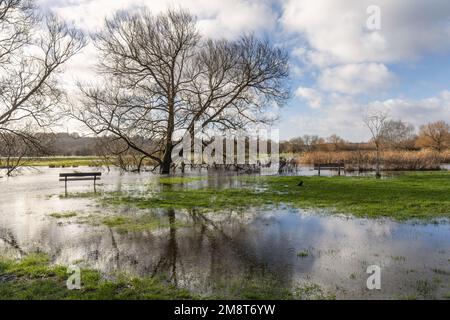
point(33, 47)
point(161, 78)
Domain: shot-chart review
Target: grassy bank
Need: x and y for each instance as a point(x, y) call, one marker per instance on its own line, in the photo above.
point(63, 162)
point(34, 278)
point(408, 196)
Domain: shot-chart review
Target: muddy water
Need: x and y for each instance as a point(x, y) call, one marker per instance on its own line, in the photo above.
point(227, 253)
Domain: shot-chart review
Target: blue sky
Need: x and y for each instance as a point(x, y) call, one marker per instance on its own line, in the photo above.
point(340, 68)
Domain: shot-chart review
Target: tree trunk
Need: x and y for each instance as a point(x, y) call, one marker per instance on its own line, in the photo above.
point(378, 174)
point(167, 159)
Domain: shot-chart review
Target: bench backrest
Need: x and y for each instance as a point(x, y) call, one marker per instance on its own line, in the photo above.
point(328, 166)
point(80, 174)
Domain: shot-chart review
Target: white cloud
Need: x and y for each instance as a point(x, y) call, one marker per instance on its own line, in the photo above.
point(420, 111)
point(344, 56)
point(343, 115)
point(409, 28)
point(312, 96)
point(217, 19)
point(356, 78)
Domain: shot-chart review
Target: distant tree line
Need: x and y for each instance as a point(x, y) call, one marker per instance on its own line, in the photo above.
point(397, 135)
point(392, 135)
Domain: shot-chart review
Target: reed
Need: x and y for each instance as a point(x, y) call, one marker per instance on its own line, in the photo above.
point(392, 160)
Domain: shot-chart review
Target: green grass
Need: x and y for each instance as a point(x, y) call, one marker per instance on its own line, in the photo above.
point(179, 180)
point(34, 278)
point(408, 196)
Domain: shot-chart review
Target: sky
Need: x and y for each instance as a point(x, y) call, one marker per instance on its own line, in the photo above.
point(347, 56)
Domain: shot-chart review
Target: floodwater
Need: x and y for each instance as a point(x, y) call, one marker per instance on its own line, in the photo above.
point(227, 253)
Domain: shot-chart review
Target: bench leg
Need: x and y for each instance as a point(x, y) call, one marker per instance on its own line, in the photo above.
point(319, 170)
point(65, 185)
point(95, 189)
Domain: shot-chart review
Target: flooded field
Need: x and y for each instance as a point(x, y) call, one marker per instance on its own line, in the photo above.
point(251, 253)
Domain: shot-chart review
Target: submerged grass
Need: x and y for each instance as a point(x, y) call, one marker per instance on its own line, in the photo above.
point(146, 222)
point(268, 288)
point(408, 196)
point(63, 215)
point(80, 195)
point(303, 254)
point(35, 278)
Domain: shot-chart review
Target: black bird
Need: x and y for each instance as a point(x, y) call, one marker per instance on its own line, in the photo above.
point(300, 184)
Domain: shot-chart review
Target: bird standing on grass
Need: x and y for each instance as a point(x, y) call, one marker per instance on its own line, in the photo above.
point(300, 184)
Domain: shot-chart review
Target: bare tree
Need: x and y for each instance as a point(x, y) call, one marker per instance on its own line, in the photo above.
point(435, 135)
point(297, 144)
point(162, 78)
point(376, 122)
point(32, 50)
point(336, 141)
point(398, 134)
point(311, 142)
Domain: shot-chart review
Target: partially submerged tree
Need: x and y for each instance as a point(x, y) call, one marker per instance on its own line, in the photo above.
point(32, 50)
point(162, 79)
point(114, 151)
point(435, 135)
point(376, 123)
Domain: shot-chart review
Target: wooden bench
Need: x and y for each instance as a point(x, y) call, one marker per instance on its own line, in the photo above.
point(80, 176)
point(330, 166)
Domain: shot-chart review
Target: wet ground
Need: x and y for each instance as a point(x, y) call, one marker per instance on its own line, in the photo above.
point(227, 253)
